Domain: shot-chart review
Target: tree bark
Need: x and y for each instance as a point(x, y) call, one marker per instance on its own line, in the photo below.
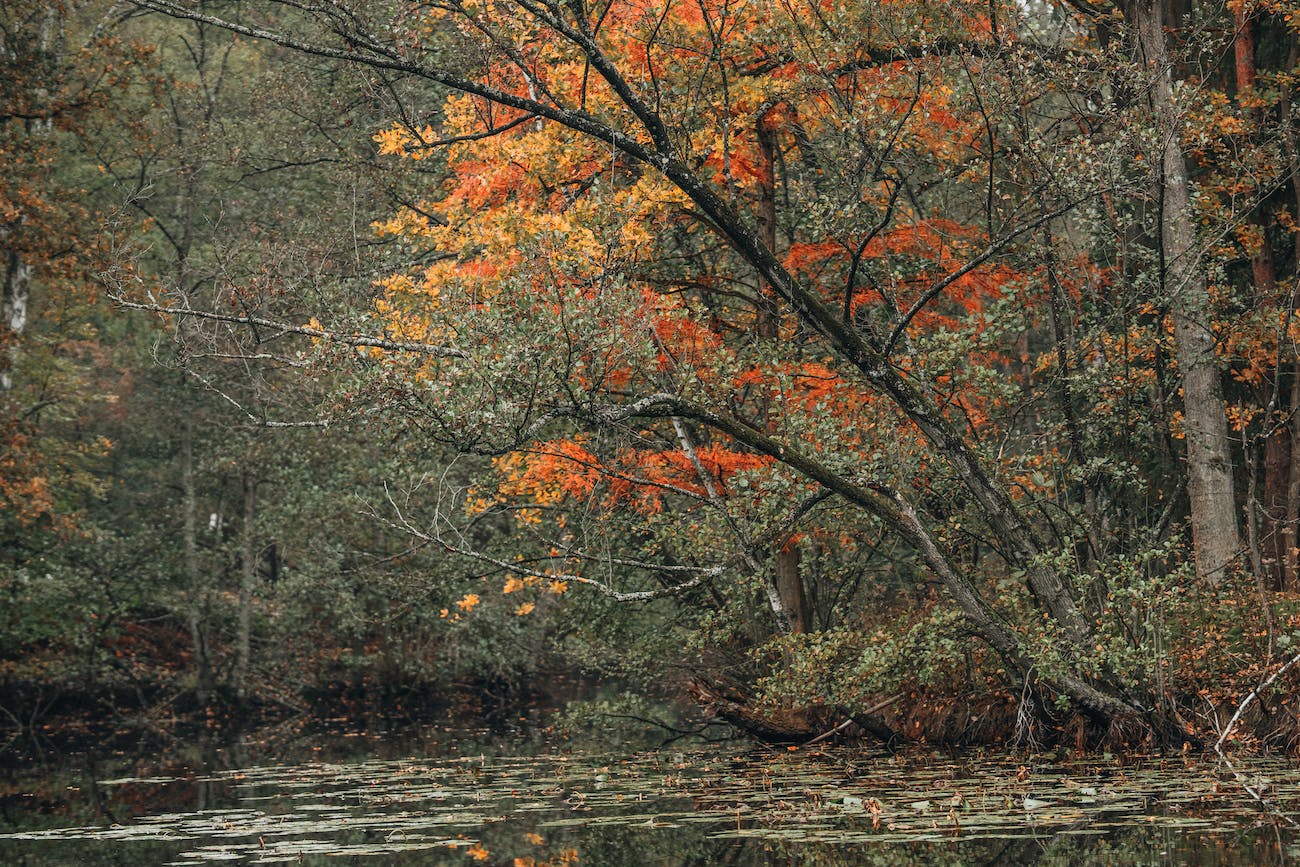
point(750, 554)
point(1272, 506)
point(1243, 48)
point(1273, 509)
point(1290, 540)
point(17, 293)
point(247, 578)
point(1215, 536)
point(194, 590)
point(789, 585)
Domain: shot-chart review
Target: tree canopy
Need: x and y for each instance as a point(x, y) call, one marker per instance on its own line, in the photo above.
point(875, 346)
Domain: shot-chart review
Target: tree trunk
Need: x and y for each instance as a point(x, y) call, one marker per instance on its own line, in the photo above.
point(789, 584)
point(1243, 50)
point(1215, 537)
point(17, 293)
point(196, 604)
point(1290, 537)
point(1273, 509)
point(750, 555)
point(1272, 506)
point(247, 576)
point(1290, 551)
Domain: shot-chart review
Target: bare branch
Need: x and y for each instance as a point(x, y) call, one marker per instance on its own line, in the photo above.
point(989, 252)
point(259, 422)
point(517, 568)
point(304, 330)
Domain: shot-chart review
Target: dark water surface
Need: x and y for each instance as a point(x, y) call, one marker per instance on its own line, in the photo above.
point(455, 796)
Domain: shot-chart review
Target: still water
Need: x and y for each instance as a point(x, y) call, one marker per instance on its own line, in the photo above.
point(444, 796)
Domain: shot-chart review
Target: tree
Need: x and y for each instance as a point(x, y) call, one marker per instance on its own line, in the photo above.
point(50, 245)
point(1210, 482)
point(60, 71)
point(744, 271)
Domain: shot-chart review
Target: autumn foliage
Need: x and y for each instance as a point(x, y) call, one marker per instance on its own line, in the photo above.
point(837, 351)
point(548, 235)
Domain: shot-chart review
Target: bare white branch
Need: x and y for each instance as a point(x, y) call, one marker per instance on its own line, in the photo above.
point(303, 330)
point(463, 549)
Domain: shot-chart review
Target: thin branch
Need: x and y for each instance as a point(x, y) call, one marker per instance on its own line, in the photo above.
point(989, 252)
point(701, 573)
point(478, 136)
point(1253, 790)
point(306, 331)
point(252, 356)
point(259, 422)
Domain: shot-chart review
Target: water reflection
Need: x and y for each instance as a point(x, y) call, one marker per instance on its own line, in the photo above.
point(462, 801)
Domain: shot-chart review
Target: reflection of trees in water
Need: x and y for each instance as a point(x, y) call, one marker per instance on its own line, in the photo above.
point(664, 808)
point(1129, 846)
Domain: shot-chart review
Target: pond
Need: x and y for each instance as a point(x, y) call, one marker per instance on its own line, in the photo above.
point(466, 798)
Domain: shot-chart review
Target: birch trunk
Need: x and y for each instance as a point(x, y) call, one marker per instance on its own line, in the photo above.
point(17, 292)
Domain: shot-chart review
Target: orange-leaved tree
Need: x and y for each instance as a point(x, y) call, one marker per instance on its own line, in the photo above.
point(626, 254)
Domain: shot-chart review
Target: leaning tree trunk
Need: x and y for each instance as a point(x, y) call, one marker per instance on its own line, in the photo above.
point(1209, 462)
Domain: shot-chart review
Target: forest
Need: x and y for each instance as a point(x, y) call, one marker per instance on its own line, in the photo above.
point(921, 371)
